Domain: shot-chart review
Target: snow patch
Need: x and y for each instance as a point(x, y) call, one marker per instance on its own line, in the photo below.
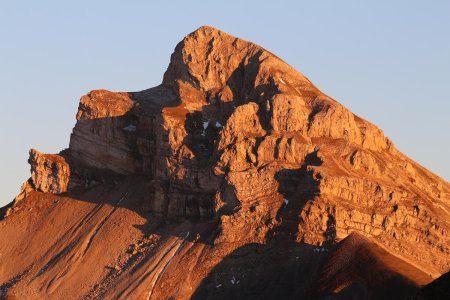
point(320, 250)
point(281, 80)
point(205, 125)
point(286, 201)
point(234, 280)
point(130, 128)
point(218, 124)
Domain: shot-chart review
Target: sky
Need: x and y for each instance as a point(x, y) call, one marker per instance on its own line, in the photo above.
point(387, 61)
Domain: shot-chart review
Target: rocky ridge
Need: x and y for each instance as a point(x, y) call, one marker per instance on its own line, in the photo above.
point(237, 139)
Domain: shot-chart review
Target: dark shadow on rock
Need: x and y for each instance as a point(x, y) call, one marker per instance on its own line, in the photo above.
point(437, 289)
point(257, 271)
point(298, 186)
point(244, 89)
point(360, 269)
point(391, 289)
point(281, 269)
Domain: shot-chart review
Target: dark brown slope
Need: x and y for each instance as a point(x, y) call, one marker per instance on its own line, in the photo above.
point(438, 289)
point(361, 269)
point(235, 165)
point(64, 243)
point(355, 268)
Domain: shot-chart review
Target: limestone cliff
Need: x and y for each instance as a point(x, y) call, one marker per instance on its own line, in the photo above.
point(49, 173)
point(240, 149)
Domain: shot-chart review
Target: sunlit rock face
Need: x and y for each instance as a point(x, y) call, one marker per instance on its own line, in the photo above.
point(49, 173)
point(240, 149)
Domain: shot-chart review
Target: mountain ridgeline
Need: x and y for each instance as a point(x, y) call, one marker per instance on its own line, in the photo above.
point(236, 178)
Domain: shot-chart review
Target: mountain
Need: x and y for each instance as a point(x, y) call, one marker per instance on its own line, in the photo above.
point(236, 177)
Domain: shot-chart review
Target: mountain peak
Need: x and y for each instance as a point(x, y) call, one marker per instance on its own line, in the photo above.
point(206, 29)
point(209, 65)
point(217, 62)
point(182, 190)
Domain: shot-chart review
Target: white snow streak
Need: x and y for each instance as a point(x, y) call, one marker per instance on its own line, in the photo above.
point(130, 128)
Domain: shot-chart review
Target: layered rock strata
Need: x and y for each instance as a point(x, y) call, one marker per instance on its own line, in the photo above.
point(236, 137)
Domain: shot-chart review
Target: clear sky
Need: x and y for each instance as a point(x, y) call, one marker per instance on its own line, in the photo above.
point(388, 62)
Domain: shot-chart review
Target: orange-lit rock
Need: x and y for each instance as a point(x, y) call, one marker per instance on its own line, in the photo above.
point(49, 173)
point(234, 178)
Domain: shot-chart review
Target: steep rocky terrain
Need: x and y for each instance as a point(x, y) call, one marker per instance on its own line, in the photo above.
point(236, 177)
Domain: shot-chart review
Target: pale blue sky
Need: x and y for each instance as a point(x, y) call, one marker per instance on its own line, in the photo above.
point(388, 62)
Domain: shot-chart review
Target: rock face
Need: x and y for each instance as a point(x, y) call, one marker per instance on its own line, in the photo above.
point(100, 137)
point(49, 173)
point(235, 153)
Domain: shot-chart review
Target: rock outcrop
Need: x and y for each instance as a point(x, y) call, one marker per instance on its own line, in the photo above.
point(49, 173)
point(101, 137)
point(248, 156)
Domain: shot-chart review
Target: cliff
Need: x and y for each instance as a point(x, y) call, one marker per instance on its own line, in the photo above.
point(234, 177)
